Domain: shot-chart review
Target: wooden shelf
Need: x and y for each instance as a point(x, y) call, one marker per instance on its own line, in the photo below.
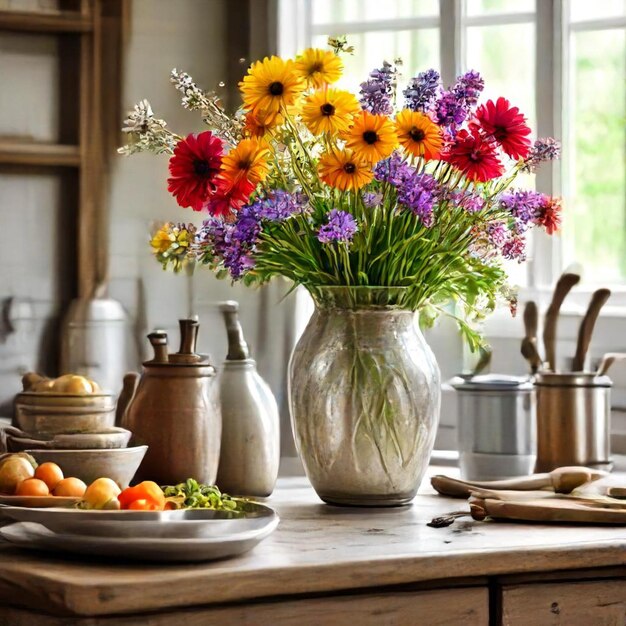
point(39, 154)
point(39, 22)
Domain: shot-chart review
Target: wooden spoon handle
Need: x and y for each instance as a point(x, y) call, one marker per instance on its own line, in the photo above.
point(607, 360)
point(563, 287)
point(598, 300)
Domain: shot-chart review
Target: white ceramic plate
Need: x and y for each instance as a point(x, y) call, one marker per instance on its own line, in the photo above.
point(36, 537)
point(179, 524)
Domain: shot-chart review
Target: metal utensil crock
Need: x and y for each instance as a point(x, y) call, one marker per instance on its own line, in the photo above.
point(573, 420)
point(496, 426)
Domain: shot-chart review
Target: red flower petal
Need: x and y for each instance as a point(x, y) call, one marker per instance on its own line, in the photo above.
point(194, 168)
point(475, 157)
point(506, 125)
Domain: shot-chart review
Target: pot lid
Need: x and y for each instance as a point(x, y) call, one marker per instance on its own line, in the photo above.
point(491, 382)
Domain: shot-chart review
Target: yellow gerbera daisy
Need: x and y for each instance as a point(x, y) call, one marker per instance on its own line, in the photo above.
point(343, 170)
point(372, 137)
point(329, 111)
point(319, 67)
point(247, 159)
point(270, 84)
point(418, 134)
point(163, 239)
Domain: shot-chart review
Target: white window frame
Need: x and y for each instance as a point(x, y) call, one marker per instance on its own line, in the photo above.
point(551, 18)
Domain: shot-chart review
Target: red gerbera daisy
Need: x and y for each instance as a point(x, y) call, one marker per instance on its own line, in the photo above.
point(229, 196)
point(507, 125)
point(474, 156)
point(194, 168)
point(550, 215)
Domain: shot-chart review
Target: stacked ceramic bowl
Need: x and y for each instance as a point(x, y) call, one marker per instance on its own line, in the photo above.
point(74, 427)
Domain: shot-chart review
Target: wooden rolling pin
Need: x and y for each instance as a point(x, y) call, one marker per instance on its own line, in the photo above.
point(560, 480)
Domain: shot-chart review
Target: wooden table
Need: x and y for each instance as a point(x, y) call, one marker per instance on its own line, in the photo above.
point(338, 566)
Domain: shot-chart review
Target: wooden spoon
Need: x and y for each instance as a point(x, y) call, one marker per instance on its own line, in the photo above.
point(598, 300)
point(563, 287)
point(560, 480)
point(529, 342)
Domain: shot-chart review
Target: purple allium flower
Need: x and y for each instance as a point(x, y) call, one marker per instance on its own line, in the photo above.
point(377, 92)
point(372, 199)
point(340, 227)
point(419, 194)
point(421, 92)
point(394, 170)
point(524, 205)
point(547, 149)
point(468, 88)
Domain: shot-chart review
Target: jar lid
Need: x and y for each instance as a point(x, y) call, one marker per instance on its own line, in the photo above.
point(492, 382)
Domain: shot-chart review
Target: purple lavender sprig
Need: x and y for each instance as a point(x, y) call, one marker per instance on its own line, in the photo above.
point(233, 244)
point(523, 204)
point(340, 227)
point(377, 93)
point(422, 91)
point(544, 149)
point(455, 105)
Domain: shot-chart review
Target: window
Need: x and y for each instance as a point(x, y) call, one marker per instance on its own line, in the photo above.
point(562, 62)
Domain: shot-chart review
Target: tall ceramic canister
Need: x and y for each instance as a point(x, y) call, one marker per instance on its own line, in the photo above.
point(250, 424)
point(175, 411)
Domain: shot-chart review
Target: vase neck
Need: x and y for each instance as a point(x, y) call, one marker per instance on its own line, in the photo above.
point(382, 299)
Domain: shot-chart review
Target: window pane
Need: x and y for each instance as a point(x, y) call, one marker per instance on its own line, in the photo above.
point(482, 7)
point(582, 10)
point(505, 56)
point(595, 226)
point(338, 11)
point(418, 49)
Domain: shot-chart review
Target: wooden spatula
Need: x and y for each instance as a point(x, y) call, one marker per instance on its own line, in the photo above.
point(598, 300)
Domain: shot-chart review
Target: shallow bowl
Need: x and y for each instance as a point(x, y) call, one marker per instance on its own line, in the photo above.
point(111, 438)
point(62, 413)
point(119, 464)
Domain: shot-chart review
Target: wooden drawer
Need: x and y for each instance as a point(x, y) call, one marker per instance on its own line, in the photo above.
point(442, 607)
point(585, 603)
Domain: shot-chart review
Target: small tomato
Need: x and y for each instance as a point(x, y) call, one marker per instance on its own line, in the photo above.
point(148, 492)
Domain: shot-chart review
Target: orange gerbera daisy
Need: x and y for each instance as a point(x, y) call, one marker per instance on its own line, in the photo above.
point(319, 67)
point(344, 170)
point(329, 111)
point(248, 159)
point(372, 137)
point(418, 134)
point(269, 85)
point(257, 124)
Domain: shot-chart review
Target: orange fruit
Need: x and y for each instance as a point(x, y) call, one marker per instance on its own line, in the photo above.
point(70, 488)
point(50, 473)
point(32, 487)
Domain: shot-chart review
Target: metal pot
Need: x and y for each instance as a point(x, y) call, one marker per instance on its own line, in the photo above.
point(496, 426)
point(573, 420)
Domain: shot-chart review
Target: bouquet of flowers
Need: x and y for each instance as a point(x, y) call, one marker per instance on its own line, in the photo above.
point(391, 188)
